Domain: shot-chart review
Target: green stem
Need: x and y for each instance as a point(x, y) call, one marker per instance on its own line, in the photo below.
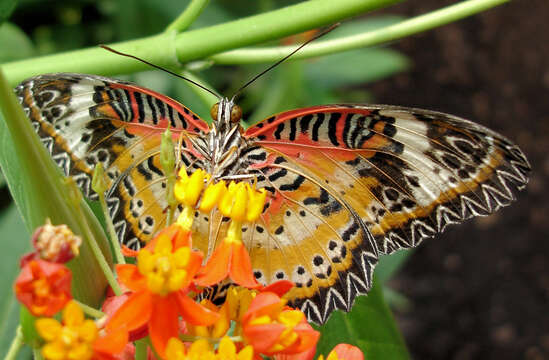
point(141, 349)
point(112, 233)
point(150, 345)
point(90, 311)
point(15, 345)
point(163, 50)
point(74, 197)
point(37, 354)
point(386, 34)
point(188, 16)
point(103, 264)
point(269, 26)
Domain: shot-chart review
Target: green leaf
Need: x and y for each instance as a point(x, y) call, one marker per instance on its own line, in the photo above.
point(6, 8)
point(369, 325)
point(389, 264)
point(40, 192)
point(15, 242)
point(356, 67)
point(14, 43)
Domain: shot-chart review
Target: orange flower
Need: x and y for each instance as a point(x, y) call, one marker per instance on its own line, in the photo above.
point(78, 338)
point(160, 283)
point(239, 298)
point(43, 287)
point(344, 352)
point(272, 328)
point(231, 259)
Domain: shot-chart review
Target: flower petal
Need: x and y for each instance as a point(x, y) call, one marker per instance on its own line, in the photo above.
point(73, 314)
point(130, 276)
point(113, 342)
point(305, 355)
point(193, 312)
point(241, 267)
point(217, 267)
point(133, 314)
point(348, 352)
point(48, 328)
point(280, 287)
point(263, 304)
point(308, 338)
point(163, 323)
point(263, 337)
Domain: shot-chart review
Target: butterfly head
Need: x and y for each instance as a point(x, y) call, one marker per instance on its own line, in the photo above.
point(225, 140)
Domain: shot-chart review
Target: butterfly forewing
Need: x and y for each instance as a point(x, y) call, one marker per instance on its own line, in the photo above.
point(398, 174)
point(87, 119)
point(346, 183)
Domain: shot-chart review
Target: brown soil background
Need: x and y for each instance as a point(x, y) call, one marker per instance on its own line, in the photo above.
point(481, 290)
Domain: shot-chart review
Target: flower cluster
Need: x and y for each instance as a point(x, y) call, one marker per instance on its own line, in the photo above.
point(161, 292)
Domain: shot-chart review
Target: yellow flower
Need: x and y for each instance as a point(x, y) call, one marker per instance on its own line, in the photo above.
point(212, 195)
point(166, 270)
point(201, 350)
point(242, 203)
point(187, 188)
point(71, 340)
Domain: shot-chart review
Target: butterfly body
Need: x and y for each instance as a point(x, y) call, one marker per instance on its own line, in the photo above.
point(345, 183)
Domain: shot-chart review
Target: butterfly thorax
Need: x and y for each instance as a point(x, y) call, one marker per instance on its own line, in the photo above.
point(225, 141)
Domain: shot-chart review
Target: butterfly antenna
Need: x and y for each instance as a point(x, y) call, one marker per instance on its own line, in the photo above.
point(328, 30)
point(161, 68)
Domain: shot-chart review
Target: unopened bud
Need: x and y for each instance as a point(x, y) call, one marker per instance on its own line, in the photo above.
point(56, 243)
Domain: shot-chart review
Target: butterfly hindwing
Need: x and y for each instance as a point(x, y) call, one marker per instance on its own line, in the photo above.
point(87, 119)
point(402, 174)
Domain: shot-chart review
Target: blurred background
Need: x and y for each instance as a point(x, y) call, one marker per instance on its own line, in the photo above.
point(480, 290)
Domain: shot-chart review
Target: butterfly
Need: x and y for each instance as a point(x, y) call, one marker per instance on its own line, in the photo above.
point(345, 183)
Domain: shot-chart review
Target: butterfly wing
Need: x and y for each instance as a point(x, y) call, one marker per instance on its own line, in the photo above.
point(87, 119)
point(350, 182)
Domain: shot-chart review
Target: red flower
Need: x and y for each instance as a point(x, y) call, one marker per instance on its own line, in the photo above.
point(159, 285)
point(43, 287)
point(272, 328)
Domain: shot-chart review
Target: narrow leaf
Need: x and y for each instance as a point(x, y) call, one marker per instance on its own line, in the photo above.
point(15, 242)
point(39, 191)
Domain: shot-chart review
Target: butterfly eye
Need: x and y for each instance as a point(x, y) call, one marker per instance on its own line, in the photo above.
point(213, 111)
point(236, 114)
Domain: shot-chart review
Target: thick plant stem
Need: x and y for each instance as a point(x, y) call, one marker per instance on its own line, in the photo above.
point(15, 345)
point(272, 25)
point(188, 16)
point(386, 34)
point(163, 50)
